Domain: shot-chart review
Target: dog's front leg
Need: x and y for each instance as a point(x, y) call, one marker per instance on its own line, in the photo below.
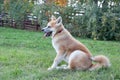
point(57, 60)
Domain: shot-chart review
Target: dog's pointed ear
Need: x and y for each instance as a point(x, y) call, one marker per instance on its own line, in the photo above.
point(53, 17)
point(59, 20)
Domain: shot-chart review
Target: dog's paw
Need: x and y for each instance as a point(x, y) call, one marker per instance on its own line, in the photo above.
point(50, 68)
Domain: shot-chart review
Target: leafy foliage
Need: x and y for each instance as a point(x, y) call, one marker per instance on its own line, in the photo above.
point(1, 6)
point(82, 18)
point(86, 19)
point(17, 9)
point(104, 22)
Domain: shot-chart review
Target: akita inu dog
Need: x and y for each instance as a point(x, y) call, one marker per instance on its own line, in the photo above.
point(71, 50)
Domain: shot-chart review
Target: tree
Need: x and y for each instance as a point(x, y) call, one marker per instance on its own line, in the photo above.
point(61, 3)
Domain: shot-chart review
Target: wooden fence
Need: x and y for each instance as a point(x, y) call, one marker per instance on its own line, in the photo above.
point(31, 25)
point(25, 24)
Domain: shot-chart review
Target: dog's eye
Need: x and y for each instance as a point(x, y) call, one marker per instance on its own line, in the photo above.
point(48, 26)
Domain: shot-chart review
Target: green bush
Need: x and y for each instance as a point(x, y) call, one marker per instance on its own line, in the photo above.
point(104, 24)
point(18, 8)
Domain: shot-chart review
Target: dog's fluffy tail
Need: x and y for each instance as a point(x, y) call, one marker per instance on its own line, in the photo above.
point(100, 61)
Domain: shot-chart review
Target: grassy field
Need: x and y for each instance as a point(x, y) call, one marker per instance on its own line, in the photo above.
point(26, 55)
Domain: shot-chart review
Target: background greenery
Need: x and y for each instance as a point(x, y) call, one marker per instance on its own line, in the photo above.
point(82, 18)
point(86, 18)
point(1, 6)
point(17, 9)
point(26, 55)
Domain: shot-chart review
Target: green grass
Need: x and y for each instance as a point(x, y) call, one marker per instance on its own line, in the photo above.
point(26, 55)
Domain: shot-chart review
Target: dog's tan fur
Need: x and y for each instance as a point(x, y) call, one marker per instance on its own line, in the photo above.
point(71, 50)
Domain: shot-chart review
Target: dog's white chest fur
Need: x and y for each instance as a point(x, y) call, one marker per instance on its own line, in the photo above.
point(55, 45)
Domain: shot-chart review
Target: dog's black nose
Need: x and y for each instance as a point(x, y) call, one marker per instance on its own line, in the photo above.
point(42, 29)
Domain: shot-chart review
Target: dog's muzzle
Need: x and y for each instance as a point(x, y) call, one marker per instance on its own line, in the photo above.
point(47, 32)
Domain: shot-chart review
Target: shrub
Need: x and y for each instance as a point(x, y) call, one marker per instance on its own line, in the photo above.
point(18, 8)
point(104, 24)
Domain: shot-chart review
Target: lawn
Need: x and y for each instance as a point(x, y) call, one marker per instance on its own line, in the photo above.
point(26, 55)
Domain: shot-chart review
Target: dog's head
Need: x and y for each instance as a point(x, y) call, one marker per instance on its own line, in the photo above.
point(52, 26)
